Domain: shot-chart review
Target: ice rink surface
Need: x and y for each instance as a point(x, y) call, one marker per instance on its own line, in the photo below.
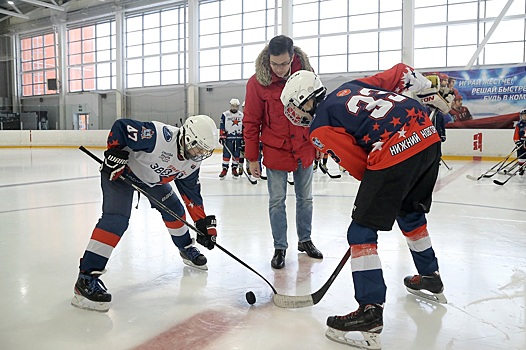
point(50, 200)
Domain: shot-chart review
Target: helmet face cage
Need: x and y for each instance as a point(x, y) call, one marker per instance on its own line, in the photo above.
point(522, 114)
point(300, 88)
point(199, 138)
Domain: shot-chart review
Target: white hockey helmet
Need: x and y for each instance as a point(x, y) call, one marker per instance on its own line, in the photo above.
point(200, 137)
point(522, 114)
point(300, 88)
point(234, 102)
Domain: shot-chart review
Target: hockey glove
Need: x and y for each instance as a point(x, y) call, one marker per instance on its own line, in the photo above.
point(430, 96)
point(520, 143)
point(222, 140)
point(207, 227)
point(115, 161)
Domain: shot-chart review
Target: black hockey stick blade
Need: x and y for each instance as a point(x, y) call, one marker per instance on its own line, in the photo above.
point(253, 182)
point(325, 170)
point(290, 182)
point(177, 217)
point(501, 183)
point(300, 301)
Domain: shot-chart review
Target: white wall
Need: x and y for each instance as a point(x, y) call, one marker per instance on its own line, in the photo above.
point(460, 142)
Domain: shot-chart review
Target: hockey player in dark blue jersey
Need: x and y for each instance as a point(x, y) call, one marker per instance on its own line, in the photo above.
point(519, 137)
point(385, 139)
point(151, 154)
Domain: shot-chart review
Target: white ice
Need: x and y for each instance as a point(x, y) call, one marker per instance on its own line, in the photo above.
point(50, 200)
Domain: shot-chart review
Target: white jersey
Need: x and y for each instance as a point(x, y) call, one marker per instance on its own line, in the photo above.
point(231, 124)
point(163, 164)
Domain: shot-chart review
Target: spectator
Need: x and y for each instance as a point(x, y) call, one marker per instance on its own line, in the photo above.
point(286, 147)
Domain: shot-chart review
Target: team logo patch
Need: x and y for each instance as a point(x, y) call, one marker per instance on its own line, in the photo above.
point(193, 166)
point(147, 133)
point(168, 134)
point(317, 143)
point(344, 92)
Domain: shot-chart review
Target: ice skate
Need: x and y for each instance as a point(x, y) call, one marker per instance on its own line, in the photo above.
point(192, 257)
point(360, 329)
point(90, 293)
point(426, 286)
point(235, 173)
point(223, 174)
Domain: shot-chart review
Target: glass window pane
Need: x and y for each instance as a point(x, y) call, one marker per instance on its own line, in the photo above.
point(134, 38)
point(333, 64)
point(305, 12)
point(253, 35)
point(254, 19)
point(460, 55)
point(152, 49)
point(306, 28)
point(363, 42)
point(391, 40)
point(230, 71)
point(462, 34)
point(430, 36)
point(512, 30)
point(332, 45)
point(390, 5)
point(152, 64)
point(389, 58)
point(357, 7)
point(169, 46)
point(208, 10)
point(232, 38)
point(169, 17)
point(74, 73)
point(134, 80)
point(209, 74)
point(104, 55)
point(231, 55)
point(514, 53)
point(49, 40)
point(103, 29)
point(169, 62)
point(251, 52)
point(229, 7)
point(152, 79)
point(334, 25)
point(461, 12)
point(169, 33)
point(208, 58)
point(89, 84)
point(231, 23)
point(103, 43)
point(207, 41)
point(152, 20)
point(391, 19)
point(134, 51)
point(363, 22)
point(363, 62)
point(88, 57)
point(170, 77)
point(310, 46)
point(103, 70)
point(427, 58)
point(104, 83)
point(134, 23)
point(333, 8)
point(88, 71)
point(209, 26)
point(151, 35)
point(437, 14)
point(134, 66)
point(248, 70)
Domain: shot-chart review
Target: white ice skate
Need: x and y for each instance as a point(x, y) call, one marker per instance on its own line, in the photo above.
point(369, 341)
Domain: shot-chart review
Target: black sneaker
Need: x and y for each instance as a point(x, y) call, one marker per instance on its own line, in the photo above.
point(368, 318)
point(192, 257)
point(90, 293)
point(310, 249)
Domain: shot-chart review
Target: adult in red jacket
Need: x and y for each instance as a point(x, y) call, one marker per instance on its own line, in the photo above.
point(286, 147)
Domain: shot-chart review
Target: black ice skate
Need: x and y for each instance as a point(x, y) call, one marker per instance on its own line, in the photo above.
point(426, 286)
point(367, 320)
point(90, 293)
point(192, 257)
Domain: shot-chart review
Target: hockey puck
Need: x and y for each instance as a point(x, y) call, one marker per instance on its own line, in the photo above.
point(251, 298)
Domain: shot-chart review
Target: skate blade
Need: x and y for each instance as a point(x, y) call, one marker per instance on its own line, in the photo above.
point(370, 341)
point(85, 304)
point(438, 297)
point(191, 264)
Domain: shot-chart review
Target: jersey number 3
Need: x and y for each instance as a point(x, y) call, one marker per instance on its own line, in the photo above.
point(377, 101)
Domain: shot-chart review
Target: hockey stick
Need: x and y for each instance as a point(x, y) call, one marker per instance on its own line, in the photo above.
point(253, 182)
point(445, 164)
point(325, 170)
point(171, 212)
point(295, 302)
point(499, 164)
point(501, 183)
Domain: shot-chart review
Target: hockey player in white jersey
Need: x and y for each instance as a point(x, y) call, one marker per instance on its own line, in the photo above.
point(151, 154)
point(231, 137)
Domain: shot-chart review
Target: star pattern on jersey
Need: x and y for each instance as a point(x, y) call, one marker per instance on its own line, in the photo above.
point(236, 121)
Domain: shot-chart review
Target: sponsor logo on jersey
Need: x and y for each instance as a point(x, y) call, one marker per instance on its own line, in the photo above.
point(344, 92)
point(168, 134)
point(193, 166)
point(166, 156)
point(146, 133)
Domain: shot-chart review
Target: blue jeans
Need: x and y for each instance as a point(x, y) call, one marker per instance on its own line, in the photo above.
point(277, 190)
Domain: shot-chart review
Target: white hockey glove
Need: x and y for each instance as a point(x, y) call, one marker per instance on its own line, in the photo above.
point(431, 97)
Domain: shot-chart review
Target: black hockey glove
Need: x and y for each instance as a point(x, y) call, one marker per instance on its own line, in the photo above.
point(115, 161)
point(520, 143)
point(207, 227)
point(222, 140)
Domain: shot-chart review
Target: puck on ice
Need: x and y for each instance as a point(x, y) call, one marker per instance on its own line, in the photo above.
point(251, 298)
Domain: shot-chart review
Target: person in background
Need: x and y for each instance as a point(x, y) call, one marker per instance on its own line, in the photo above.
point(151, 155)
point(286, 147)
point(231, 137)
point(519, 137)
point(387, 141)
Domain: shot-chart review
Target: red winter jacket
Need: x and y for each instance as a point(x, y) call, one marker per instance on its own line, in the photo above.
point(283, 142)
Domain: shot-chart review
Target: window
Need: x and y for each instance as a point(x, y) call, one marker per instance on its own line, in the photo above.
point(232, 33)
point(349, 36)
point(91, 57)
point(155, 48)
point(38, 64)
